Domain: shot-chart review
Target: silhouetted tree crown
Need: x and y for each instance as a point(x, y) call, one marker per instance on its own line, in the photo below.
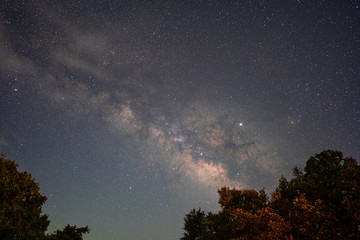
point(21, 204)
point(69, 233)
point(320, 202)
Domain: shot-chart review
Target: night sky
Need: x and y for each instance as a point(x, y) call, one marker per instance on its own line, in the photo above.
point(131, 113)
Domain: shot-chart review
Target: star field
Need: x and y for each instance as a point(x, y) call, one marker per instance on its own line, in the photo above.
point(131, 113)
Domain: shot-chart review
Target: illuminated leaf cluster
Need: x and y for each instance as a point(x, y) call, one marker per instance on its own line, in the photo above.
point(320, 202)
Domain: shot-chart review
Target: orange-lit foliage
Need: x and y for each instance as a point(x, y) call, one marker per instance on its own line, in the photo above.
point(263, 224)
point(321, 202)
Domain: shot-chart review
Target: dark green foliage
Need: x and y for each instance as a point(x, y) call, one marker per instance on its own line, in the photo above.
point(20, 204)
point(335, 181)
point(20, 208)
point(219, 226)
point(69, 233)
point(206, 226)
point(320, 202)
point(194, 224)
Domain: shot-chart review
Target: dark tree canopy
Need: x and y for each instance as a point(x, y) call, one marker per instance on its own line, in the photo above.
point(332, 184)
point(69, 233)
point(194, 224)
point(320, 202)
point(21, 204)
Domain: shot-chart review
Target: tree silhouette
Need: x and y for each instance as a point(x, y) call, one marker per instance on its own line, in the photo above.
point(20, 204)
point(69, 233)
point(20, 208)
point(331, 184)
point(194, 224)
point(320, 202)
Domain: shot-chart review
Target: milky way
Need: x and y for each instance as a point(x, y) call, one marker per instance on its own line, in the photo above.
point(129, 114)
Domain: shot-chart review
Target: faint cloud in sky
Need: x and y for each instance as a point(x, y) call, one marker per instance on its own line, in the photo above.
point(3, 142)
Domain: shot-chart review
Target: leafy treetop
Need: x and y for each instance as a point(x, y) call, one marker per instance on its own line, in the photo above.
point(21, 204)
point(320, 202)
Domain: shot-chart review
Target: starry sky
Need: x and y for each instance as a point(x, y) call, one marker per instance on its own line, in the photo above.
point(131, 113)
